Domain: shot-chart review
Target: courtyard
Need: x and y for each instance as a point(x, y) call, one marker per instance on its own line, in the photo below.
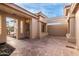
point(47, 46)
point(32, 35)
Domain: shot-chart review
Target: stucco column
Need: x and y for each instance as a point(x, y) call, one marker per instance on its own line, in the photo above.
point(68, 27)
point(46, 28)
point(21, 25)
point(3, 30)
point(72, 29)
point(34, 28)
point(24, 27)
point(17, 28)
point(39, 29)
point(30, 28)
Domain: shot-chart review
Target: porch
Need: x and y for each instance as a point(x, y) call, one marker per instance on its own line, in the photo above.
point(48, 46)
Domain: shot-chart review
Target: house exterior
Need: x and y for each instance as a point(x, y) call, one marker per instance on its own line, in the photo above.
point(27, 24)
point(72, 13)
point(57, 26)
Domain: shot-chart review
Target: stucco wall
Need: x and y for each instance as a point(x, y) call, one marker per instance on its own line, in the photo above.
point(57, 30)
point(23, 27)
point(42, 20)
point(34, 28)
point(77, 27)
point(3, 29)
point(42, 34)
point(57, 26)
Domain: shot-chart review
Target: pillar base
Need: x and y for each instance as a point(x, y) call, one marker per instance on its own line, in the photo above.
point(71, 38)
point(77, 48)
point(68, 35)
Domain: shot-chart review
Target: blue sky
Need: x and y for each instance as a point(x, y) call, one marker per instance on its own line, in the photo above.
point(49, 9)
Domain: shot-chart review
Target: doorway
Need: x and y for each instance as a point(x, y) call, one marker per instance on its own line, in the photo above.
point(10, 24)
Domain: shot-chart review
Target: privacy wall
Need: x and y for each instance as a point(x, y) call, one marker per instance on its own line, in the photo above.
point(57, 26)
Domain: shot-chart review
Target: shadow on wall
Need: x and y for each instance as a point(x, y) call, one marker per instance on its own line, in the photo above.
point(57, 30)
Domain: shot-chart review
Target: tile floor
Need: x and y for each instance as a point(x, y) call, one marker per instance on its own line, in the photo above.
point(48, 46)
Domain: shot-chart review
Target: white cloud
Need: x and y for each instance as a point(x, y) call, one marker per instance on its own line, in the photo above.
point(49, 9)
point(55, 23)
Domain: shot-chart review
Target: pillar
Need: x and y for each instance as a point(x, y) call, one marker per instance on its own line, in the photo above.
point(3, 30)
point(68, 27)
point(77, 29)
point(30, 27)
point(34, 28)
point(39, 29)
point(72, 28)
point(17, 29)
point(24, 28)
point(46, 28)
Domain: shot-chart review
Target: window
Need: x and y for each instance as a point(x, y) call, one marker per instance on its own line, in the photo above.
point(43, 27)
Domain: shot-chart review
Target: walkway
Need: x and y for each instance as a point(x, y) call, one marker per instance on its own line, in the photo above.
point(48, 46)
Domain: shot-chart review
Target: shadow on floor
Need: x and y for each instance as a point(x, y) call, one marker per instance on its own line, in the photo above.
point(6, 49)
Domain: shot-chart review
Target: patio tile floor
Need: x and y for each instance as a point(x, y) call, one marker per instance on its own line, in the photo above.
point(48, 46)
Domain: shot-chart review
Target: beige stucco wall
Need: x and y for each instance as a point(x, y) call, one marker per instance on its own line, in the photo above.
point(57, 26)
point(19, 15)
point(74, 24)
point(72, 28)
point(57, 30)
point(34, 28)
point(3, 28)
point(42, 34)
point(42, 20)
point(22, 28)
point(77, 28)
point(61, 19)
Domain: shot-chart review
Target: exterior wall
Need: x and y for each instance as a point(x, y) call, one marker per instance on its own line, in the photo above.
point(74, 24)
point(20, 16)
point(57, 30)
point(28, 28)
point(66, 10)
point(3, 29)
point(71, 34)
point(72, 28)
point(77, 28)
point(22, 28)
point(42, 19)
point(57, 26)
point(17, 29)
point(34, 28)
point(57, 20)
point(42, 34)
